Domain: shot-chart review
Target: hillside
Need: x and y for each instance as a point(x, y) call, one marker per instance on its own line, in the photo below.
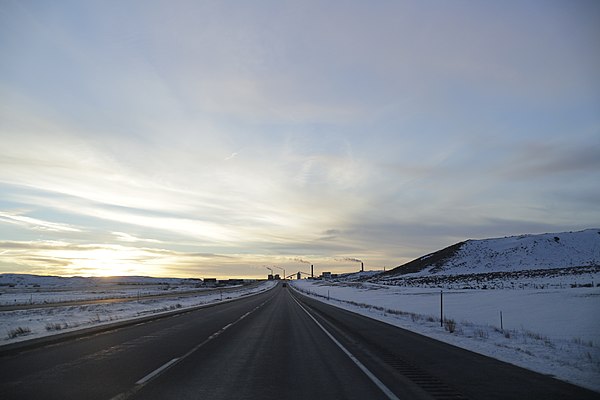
point(510, 254)
point(547, 260)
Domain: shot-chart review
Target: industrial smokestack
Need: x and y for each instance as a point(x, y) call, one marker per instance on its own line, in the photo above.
point(312, 274)
point(362, 267)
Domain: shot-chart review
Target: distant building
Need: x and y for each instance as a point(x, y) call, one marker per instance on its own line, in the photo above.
point(326, 275)
point(270, 277)
point(277, 277)
point(210, 281)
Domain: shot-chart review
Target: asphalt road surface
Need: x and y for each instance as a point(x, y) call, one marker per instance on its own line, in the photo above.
point(275, 345)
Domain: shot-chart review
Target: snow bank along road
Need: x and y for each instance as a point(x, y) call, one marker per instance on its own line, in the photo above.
point(274, 345)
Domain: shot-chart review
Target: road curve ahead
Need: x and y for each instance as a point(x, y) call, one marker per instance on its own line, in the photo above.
point(275, 345)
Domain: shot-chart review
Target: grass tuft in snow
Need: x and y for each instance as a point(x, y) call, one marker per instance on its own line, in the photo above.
point(481, 333)
point(450, 325)
point(20, 331)
point(582, 342)
point(535, 336)
point(56, 326)
point(96, 319)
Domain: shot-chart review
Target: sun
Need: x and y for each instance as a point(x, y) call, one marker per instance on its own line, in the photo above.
point(110, 260)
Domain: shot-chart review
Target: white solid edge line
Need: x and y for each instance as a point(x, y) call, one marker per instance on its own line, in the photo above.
point(360, 365)
point(156, 372)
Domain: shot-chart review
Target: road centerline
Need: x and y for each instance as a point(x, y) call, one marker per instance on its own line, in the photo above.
point(162, 369)
point(156, 372)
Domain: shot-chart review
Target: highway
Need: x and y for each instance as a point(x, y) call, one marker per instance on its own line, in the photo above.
point(274, 345)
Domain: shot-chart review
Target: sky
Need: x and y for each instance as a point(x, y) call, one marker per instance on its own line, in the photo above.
point(219, 138)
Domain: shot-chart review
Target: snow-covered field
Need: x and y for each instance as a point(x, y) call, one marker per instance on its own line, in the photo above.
point(18, 289)
point(552, 331)
point(38, 322)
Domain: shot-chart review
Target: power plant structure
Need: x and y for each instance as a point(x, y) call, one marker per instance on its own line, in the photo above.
point(325, 275)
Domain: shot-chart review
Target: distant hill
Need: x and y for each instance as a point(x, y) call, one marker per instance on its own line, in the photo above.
point(508, 254)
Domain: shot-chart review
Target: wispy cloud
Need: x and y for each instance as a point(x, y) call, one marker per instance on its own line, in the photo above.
point(35, 224)
point(231, 156)
point(125, 237)
point(535, 160)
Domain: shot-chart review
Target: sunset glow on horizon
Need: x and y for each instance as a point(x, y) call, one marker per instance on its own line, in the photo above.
point(215, 139)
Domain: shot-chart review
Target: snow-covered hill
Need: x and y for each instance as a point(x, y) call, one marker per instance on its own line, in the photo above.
point(550, 260)
point(510, 254)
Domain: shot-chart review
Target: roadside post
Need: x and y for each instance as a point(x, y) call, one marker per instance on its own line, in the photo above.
point(441, 308)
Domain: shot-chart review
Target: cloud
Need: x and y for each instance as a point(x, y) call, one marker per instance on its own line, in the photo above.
point(535, 160)
point(35, 224)
point(232, 156)
point(125, 237)
point(53, 245)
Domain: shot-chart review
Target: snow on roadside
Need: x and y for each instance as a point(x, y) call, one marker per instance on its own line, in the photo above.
point(532, 336)
point(20, 289)
point(23, 325)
